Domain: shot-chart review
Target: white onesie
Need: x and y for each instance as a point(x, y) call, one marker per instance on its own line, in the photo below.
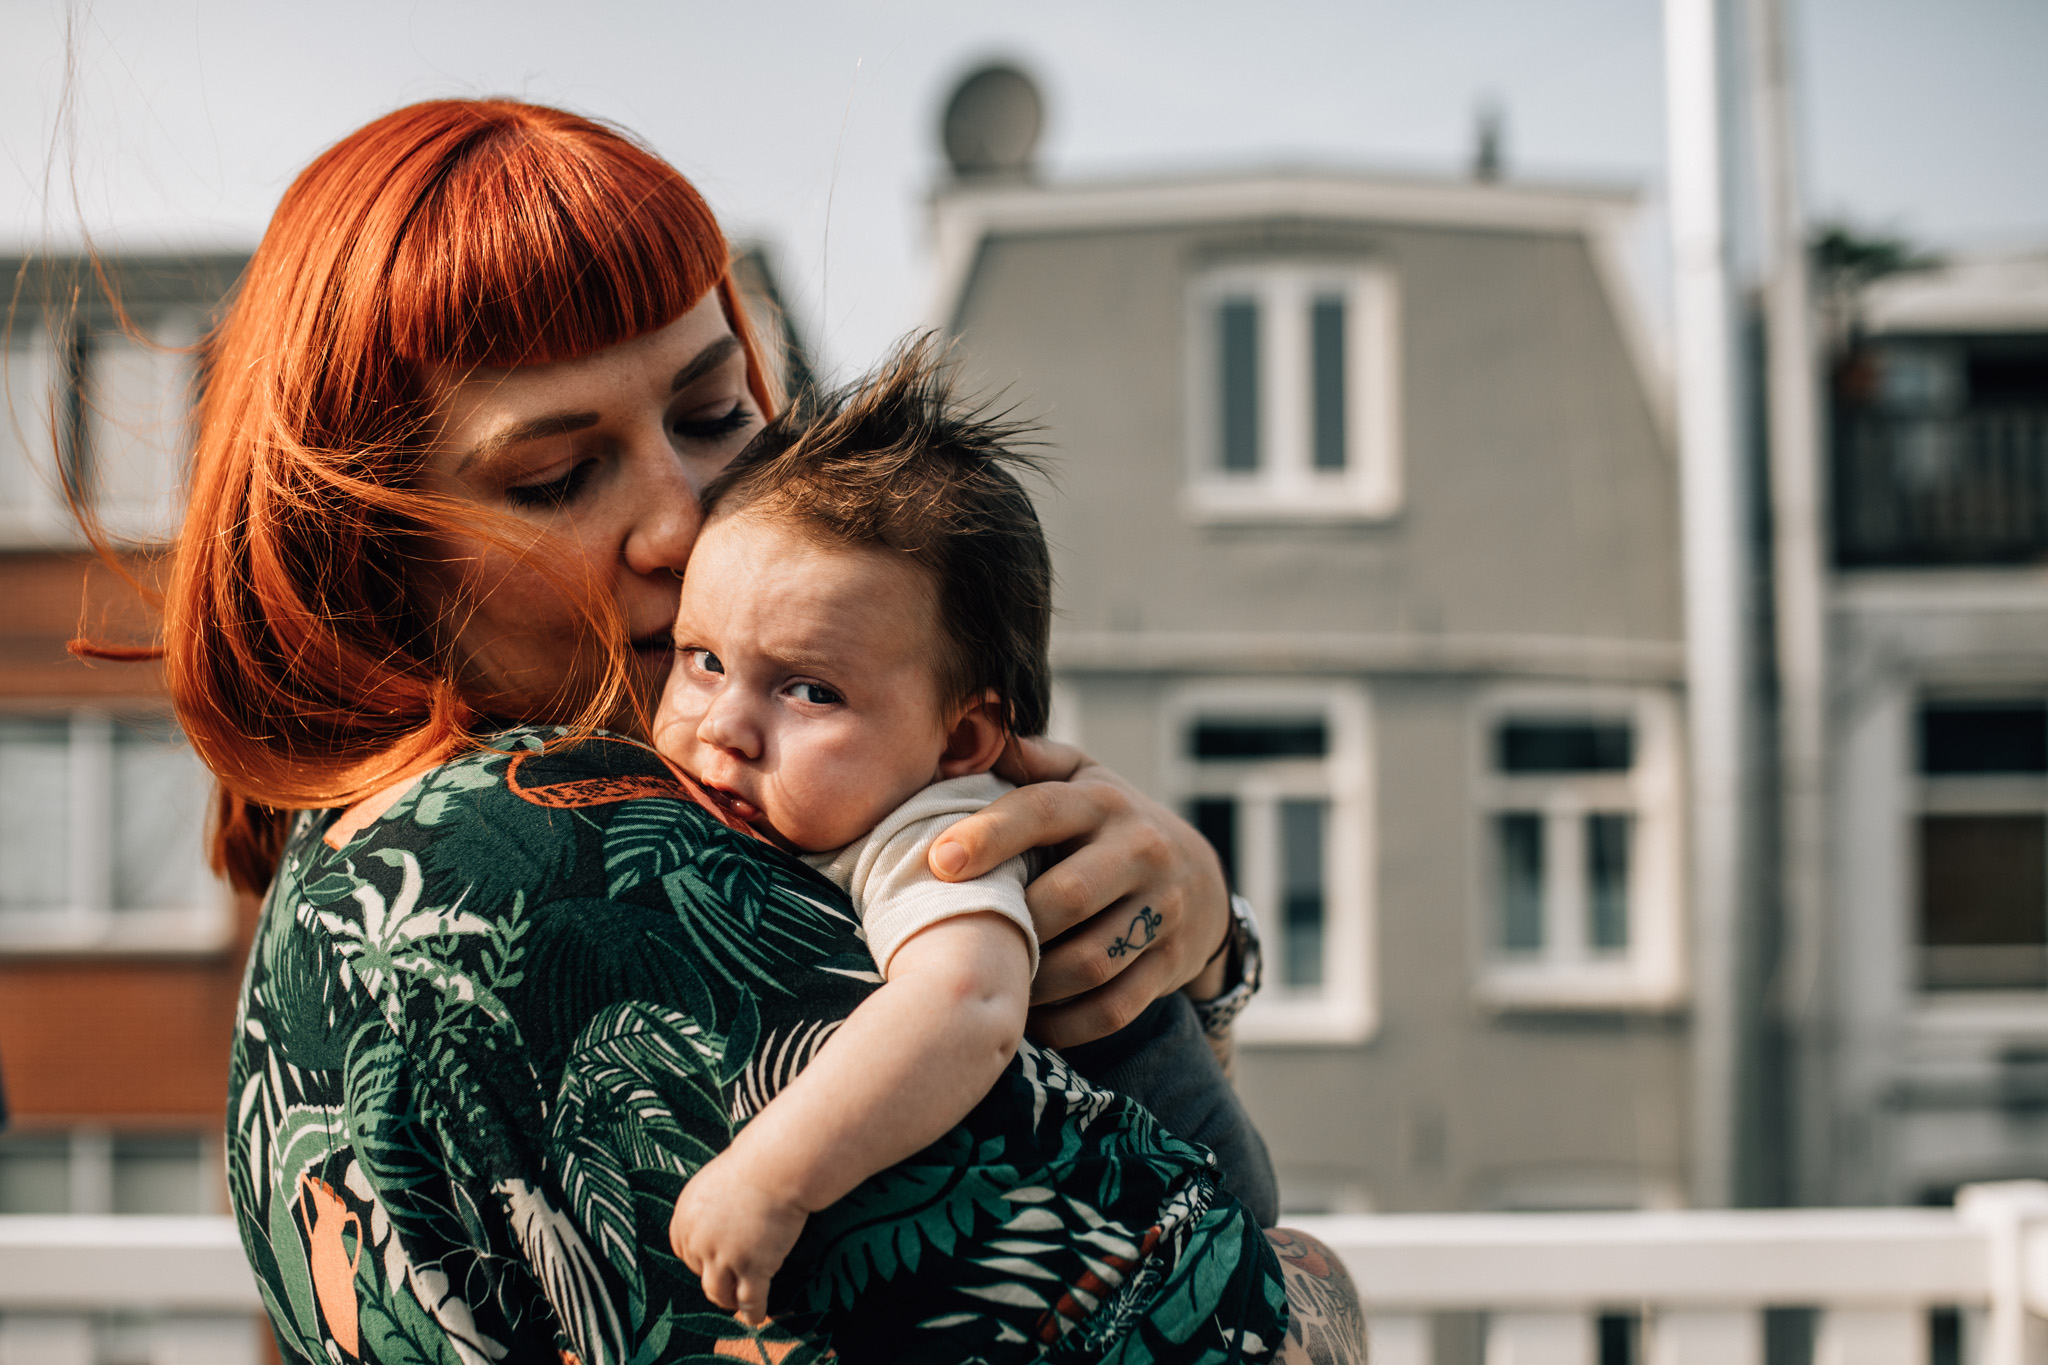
point(893, 889)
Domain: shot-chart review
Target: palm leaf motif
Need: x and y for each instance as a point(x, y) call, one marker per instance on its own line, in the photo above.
point(779, 1060)
point(886, 1225)
point(755, 932)
point(394, 940)
point(641, 843)
point(639, 1093)
point(568, 1273)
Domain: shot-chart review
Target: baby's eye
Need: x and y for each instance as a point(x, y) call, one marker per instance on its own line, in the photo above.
point(817, 694)
point(707, 661)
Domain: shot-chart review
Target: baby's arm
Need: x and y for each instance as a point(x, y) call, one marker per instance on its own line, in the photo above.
point(904, 1068)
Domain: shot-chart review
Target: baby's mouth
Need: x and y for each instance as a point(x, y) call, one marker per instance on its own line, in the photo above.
point(736, 805)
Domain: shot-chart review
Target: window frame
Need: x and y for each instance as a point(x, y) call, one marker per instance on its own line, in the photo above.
point(1286, 486)
point(1345, 1010)
point(90, 923)
point(1567, 973)
point(1961, 794)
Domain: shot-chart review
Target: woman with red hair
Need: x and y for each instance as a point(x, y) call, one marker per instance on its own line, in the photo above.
point(514, 981)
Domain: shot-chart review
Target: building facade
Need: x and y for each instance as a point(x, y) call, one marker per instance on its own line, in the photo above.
point(1364, 513)
point(1930, 1063)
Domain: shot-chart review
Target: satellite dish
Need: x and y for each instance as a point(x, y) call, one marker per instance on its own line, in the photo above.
point(992, 123)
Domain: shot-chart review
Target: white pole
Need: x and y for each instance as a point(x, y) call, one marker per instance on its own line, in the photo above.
point(1798, 562)
point(1711, 488)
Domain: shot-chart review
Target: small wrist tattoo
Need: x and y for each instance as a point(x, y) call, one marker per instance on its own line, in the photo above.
point(1132, 940)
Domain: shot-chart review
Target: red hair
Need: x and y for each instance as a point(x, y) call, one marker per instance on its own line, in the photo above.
point(456, 233)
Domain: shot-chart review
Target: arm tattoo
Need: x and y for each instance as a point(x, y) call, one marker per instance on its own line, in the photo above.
point(1325, 1322)
point(1146, 919)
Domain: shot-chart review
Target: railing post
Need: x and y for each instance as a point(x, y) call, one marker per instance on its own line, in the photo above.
point(1539, 1339)
point(1871, 1336)
point(45, 1339)
point(1707, 1336)
point(1399, 1338)
point(2005, 1210)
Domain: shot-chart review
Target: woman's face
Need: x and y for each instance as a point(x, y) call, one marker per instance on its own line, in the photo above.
point(604, 458)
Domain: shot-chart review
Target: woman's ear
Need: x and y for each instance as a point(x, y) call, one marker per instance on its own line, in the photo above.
point(976, 738)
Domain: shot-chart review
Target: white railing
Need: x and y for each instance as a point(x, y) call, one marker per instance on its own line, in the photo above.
point(1698, 1282)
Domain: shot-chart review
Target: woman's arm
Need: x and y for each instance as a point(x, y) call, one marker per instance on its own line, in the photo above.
point(1135, 908)
point(907, 1065)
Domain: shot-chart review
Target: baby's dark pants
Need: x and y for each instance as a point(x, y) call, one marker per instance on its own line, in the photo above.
point(1161, 1060)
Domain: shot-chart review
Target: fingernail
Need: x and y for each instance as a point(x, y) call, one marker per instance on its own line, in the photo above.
point(949, 857)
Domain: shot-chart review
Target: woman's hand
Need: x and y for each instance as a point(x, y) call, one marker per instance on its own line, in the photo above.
point(1136, 907)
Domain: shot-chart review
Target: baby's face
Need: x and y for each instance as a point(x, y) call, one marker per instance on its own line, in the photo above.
point(804, 692)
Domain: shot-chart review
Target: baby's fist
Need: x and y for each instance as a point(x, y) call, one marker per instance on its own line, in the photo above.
point(734, 1234)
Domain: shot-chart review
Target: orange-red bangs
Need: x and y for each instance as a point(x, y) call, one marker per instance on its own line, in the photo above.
point(514, 234)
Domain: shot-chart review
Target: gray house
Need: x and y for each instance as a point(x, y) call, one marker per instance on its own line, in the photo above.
point(1366, 532)
point(1925, 1049)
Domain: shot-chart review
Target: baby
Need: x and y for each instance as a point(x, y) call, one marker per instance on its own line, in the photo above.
point(862, 628)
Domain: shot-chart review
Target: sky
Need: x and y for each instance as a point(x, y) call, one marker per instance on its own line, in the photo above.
point(812, 125)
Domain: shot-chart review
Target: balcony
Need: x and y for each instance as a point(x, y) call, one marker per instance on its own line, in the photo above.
point(1868, 1286)
point(1929, 491)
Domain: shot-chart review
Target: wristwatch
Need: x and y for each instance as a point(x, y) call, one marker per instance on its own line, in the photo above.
point(1241, 965)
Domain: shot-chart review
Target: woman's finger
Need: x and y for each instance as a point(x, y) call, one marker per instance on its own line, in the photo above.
point(1037, 816)
point(1104, 1010)
point(1039, 760)
point(1094, 878)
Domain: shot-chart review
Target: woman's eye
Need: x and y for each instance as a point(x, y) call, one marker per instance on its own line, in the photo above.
point(817, 694)
point(553, 493)
point(711, 428)
point(708, 661)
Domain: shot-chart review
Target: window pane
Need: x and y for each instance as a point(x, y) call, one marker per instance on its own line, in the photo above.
point(1567, 746)
point(1216, 818)
point(1520, 836)
point(1213, 740)
point(1326, 338)
point(1607, 839)
point(160, 800)
point(35, 1174)
point(1238, 320)
point(35, 806)
point(159, 1175)
point(1983, 892)
point(1995, 737)
point(1302, 889)
point(135, 415)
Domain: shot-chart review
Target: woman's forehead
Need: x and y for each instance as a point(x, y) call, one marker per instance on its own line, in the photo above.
point(473, 403)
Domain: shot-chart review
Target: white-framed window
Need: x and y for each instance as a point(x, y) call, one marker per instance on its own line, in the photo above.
point(1294, 392)
point(138, 397)
point(88, 1170)
point(101, 822)
point(1981, 921)
point(1580, 839)
point(31, 496)
point(1277, 776)
point(121, 441)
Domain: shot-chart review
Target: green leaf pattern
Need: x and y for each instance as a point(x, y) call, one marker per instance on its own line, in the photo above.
point(496, 1034)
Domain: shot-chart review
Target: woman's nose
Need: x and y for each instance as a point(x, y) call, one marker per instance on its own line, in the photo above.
point(666, 515)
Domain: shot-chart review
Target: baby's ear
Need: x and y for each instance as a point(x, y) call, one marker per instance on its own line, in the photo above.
point(976, 738)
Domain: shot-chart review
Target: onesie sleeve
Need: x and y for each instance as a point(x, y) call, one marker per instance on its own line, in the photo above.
point(898, 895)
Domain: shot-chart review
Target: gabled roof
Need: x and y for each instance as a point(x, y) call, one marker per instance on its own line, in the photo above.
point(965, 214)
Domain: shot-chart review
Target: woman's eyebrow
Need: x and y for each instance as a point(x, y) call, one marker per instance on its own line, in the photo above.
point(554, 424)
point(705, 361)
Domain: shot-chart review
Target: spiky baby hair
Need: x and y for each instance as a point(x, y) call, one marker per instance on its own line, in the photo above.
point(900, 461)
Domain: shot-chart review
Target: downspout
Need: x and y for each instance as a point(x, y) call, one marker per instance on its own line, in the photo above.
point(1713, 496)
point(1799, 597)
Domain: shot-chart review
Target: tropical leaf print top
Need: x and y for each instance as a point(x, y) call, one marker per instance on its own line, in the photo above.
point(483, 1044)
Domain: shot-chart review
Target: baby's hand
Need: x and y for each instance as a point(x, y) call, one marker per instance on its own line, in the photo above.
point(734, 1233)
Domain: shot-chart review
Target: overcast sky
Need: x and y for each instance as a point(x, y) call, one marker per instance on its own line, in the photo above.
point(811, 125)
